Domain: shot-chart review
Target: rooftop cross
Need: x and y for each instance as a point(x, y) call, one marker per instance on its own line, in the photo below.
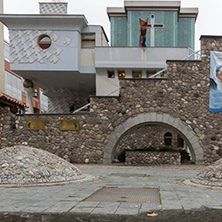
point(152, 27)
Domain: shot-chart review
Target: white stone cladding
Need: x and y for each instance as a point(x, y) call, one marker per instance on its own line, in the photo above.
point(53, 7)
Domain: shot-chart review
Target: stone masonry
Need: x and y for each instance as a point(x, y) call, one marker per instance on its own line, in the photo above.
point(147, 135)
point(152, 158)
point(23, 165)
point(6, 121)
point(180, 101)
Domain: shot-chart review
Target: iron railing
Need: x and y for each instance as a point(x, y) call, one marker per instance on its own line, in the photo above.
point(87, 105)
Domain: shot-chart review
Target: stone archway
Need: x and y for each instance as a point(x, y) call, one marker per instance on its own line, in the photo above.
point(155, 118)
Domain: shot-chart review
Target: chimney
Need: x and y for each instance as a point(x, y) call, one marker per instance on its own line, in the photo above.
point(53, 8)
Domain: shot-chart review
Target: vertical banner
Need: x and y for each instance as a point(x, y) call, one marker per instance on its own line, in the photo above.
point(143, 30)
point(215, 81)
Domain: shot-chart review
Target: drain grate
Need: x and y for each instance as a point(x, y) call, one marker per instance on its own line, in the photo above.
point(127, 175)
point(126, 195)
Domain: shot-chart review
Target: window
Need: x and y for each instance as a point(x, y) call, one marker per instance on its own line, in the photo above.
point(180, 141)
point(13, 86)
point(121, 74)
point(88, 40)
point(168, 139)
point(150, 73)
point(111, 74)
point(44, 41)
point(137, 74)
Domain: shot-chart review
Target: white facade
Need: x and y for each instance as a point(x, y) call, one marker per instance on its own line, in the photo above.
point(129, 60)
point(77, 62)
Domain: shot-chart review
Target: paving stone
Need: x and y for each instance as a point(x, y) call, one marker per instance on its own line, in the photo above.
point(59, 199)
point(61, 207)
point(82, 210)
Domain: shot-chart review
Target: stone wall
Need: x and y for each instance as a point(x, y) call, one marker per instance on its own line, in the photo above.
point(181, 102)
point(74, 146)
point(147, 135)
point(7, 122)
point(152, 158)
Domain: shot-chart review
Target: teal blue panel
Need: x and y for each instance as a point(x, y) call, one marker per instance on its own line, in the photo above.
point(118, 31)
point(186, 36)
point(167, 36)
point(164, 37)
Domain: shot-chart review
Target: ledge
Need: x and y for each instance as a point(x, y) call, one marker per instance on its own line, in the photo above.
point(105, 97)
point(143, 79)
point(211, 36)
point(55, 114)
point(184, 61)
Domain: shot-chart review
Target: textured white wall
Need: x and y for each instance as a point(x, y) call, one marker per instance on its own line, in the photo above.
point(62, 55)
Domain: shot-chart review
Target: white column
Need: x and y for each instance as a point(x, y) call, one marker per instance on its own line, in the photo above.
point(29, 102)
point(28, 85)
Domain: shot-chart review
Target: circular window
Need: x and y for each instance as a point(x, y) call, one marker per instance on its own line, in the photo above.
point(44, 41)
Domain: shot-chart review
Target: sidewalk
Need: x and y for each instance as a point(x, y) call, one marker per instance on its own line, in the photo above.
point(178, 202)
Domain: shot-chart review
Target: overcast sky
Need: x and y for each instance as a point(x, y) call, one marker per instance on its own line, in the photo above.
point(208, 21)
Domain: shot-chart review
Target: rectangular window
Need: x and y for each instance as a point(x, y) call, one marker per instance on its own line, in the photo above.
point(88, 40)
point(121, 74)
point(137, 74)
point(111, 74)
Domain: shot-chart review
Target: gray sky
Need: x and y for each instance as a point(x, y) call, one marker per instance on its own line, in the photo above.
point(208, 21)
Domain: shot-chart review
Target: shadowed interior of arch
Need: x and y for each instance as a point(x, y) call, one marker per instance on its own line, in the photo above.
point(165, 138)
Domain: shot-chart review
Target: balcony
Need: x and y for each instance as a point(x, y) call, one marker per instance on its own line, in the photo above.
point(137, 57)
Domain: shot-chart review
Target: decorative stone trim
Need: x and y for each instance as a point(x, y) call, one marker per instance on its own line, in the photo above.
point(161, 118)
point(152, 158)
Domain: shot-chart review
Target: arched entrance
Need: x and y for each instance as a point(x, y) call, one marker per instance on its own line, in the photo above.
point(155, 118)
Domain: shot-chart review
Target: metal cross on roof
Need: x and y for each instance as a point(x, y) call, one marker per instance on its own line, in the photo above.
point(152, 27)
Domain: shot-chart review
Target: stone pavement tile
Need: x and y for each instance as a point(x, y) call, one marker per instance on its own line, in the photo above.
point(168, 195)
point(216, 196)
point(109, 205)
point(171, 204)
point(82, 210)
point(106, 210)
point(35, 208)
point(128, 209)
point(149, 207)
point(189, 204)
point(208, 201)
point(130, 205)
point(61, 207)
point(11, 207)
point(85, 204)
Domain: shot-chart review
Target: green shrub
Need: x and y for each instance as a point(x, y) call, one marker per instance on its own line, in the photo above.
point(185, 156)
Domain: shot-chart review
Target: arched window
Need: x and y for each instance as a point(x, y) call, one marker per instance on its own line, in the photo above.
point(180, 141)
point(168, 138)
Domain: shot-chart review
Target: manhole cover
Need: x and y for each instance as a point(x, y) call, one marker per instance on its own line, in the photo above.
point(127, 175)
point(126, 195)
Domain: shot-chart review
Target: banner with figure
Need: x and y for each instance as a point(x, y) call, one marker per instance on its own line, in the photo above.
point(215, 81)
point(143, 30)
